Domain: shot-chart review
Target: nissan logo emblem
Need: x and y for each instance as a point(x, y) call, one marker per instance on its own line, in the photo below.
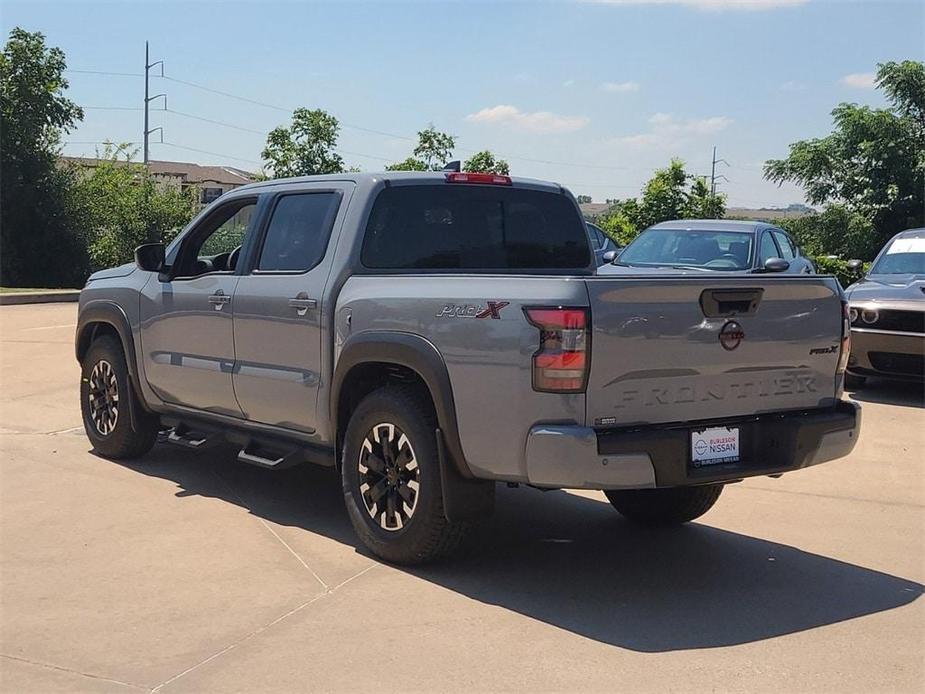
point(731, 335)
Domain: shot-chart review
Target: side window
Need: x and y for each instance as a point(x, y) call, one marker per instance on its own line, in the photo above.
point(298, 232)
point(213, 245)
point(786, 245)
point(767, 249)
point(597, 237)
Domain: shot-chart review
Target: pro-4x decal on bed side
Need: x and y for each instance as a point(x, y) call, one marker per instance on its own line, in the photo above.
point(491, 309)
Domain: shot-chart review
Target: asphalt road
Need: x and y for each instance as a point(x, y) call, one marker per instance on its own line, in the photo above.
point(190, 572)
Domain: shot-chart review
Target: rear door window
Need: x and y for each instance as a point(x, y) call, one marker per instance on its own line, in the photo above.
point(786, 245)
point(767, 249)
point(466, 227)
point(298, 232)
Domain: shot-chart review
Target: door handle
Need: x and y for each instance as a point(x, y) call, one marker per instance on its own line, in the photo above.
point(301, 303)
point(219, 299)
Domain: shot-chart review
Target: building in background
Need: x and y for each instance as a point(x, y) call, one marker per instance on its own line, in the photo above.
point(210, 182)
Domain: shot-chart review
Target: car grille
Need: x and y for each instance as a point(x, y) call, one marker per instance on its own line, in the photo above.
point(903, 321)
point(893, 362)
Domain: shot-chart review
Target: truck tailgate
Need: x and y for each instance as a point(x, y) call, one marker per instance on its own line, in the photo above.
point(677, 349)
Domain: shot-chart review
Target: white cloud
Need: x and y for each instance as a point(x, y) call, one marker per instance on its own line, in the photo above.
point(620, 87)
point(568, 83)
point(859, 80)
point(667, 131)
point(537, 121)
point(713, 5)
point(792, 86)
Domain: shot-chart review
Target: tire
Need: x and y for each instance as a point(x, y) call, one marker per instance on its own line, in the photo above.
point(853, 382)
point(104, 374)
point(397, 419)
point(661, 507)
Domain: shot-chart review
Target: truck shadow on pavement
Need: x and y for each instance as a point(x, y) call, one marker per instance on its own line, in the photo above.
point(574, 563)
point(900, 393)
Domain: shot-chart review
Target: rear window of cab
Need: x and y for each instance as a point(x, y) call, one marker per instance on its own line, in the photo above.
point(470, 227)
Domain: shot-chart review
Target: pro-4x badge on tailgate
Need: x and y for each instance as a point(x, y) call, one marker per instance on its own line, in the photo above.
point(491, 309)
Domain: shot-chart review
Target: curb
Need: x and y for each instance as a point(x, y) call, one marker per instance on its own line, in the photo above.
point(39, 297)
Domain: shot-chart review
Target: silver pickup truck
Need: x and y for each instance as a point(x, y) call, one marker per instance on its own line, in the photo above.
point(433, 334)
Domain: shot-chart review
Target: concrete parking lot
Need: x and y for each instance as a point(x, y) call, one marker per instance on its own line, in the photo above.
point(187, 572)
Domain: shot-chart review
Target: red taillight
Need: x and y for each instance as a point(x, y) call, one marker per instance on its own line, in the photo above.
point(490, 179)
point(845, 338)
point(561, 364)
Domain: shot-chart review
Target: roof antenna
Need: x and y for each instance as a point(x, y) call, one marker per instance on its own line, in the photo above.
point(452, 166)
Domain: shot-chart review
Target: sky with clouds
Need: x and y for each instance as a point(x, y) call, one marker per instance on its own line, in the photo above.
point(593, 94)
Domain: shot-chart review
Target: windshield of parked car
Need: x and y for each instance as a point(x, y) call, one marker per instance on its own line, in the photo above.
point(903, 257)
point(711, 250)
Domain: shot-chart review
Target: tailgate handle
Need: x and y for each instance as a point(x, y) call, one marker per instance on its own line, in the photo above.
point(716, 303)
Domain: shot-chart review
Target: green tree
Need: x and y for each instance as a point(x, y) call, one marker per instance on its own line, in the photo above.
point(617, 226)
point(123, 206)
point(702, 204)
point(582, 199)
point(42, 246)
point(486, 162)
point(409, 164)
point(837, 230)
point(873, 162)
point(671, 193)
point(306, 147)
point(431, 153)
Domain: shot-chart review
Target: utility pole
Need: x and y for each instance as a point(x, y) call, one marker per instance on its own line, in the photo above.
point(149, 99)
point(713, 176)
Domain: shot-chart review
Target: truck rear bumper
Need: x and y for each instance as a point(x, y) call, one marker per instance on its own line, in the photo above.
point(582, 458)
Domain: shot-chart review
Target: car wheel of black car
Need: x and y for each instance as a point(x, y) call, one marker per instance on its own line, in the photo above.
point(670, 506)
point(852, 381)
point(104, 404)
point(391, 479)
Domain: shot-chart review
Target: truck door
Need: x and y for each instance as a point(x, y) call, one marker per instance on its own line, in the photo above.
point(186, 323)
point(279, 308)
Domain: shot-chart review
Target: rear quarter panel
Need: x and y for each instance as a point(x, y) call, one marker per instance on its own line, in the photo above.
point(488, 360)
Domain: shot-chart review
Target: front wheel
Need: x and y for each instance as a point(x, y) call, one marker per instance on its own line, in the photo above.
point(105, 397)
point(669, 506)
point(390, 473)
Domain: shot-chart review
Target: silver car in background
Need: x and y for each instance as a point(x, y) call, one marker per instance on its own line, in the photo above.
point(719, 245)
point(887, 312)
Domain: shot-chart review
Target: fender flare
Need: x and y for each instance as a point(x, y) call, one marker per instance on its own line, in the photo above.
point(110, 313)
point(421, 356)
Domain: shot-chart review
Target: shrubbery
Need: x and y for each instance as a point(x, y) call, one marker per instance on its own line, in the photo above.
point(826, 265)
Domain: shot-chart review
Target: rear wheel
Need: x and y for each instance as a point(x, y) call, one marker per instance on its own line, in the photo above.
point(391, 479)
point(105, 404)
point(669, 506)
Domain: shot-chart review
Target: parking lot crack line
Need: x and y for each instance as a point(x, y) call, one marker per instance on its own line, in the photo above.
point(49, 666)
point(263, 628)
point(273, 533)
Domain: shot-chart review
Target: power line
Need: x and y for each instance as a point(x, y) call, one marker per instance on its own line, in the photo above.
point(351, 126)
point(105, 72)
point(214, 122)
point(203, 151)
point(111, 108)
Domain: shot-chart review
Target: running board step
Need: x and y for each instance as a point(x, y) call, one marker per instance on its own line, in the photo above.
point(268, 459)
point(183, 436)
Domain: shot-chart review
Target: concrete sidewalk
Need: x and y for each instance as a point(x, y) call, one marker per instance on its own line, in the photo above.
point(44, 296)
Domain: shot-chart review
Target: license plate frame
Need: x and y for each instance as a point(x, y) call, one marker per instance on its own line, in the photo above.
point(715, 446)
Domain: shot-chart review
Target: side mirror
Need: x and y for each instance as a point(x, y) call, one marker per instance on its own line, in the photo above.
point(150, 257)
point(855, 265)
point(776, 265)
point(609, 256)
